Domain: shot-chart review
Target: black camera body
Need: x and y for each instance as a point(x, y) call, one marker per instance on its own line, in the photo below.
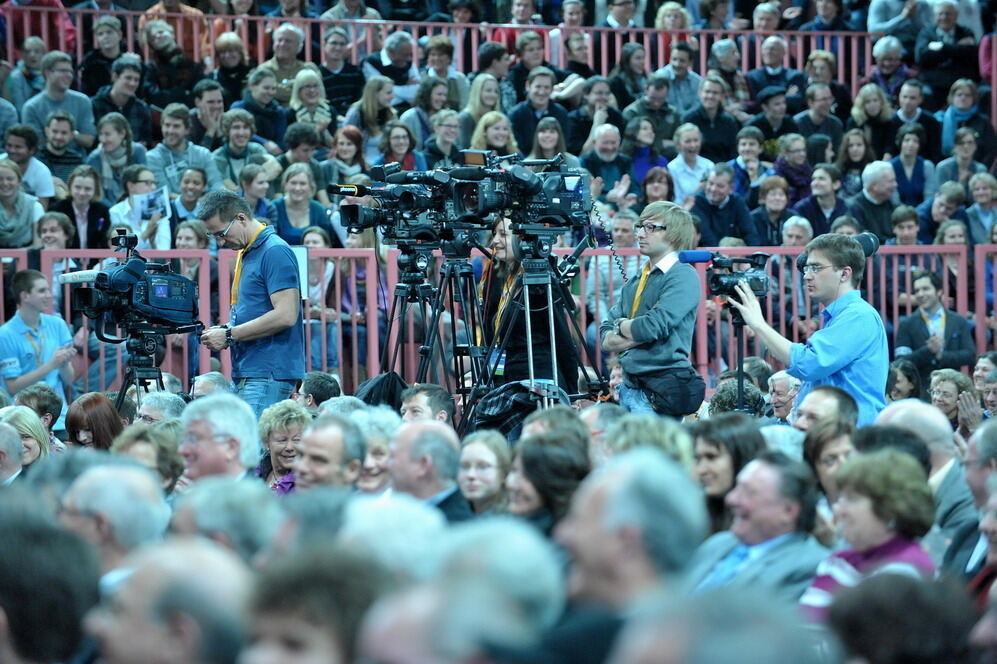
point(724, 275)
point(137, 293)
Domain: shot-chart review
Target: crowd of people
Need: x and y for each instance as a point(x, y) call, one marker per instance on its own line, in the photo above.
point(843, 508)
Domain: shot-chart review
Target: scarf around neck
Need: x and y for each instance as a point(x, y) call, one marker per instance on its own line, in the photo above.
point(952, 119)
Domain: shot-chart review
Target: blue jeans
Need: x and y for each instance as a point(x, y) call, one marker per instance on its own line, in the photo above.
point(260, 393)
point(634, 400)
point(331, 362)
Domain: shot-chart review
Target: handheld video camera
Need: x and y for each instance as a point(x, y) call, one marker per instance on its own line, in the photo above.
point(725, 273)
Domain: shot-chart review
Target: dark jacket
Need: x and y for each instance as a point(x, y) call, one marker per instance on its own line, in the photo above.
point(940, 68)
point(343, 87)
point(135, 111)
point(98, 223)
point(271, 120)
point(719, 134)
point(733, 219)
point(809, 209)
point(959, 351)
point(524, 122)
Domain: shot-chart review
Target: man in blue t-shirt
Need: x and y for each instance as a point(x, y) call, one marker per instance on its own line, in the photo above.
point(35, 347)
point(265, 329)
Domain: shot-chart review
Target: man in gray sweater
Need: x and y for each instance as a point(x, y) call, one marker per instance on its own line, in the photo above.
point(175, 154)
point(651, 325)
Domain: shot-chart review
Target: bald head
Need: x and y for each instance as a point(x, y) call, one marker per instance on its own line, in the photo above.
point(925, 421)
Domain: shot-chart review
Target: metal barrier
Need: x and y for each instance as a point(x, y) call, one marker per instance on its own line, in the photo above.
point(789, 308)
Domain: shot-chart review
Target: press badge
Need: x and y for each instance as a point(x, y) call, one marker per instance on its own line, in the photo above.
point(496, 363)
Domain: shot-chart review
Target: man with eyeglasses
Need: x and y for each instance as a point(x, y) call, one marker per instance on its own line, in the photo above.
point(651, 325)
point(57, 68)
point(817, 119)
point(849, 351)
point(265, 330)
point(343, 80)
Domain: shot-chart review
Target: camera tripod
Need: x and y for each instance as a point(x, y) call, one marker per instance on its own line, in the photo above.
point(141, 369)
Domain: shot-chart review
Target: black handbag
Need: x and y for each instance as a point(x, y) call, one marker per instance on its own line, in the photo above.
point(673, 392)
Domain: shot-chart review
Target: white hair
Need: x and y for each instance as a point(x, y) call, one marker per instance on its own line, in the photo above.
point(130, 498)
point(887, 44)
point(792, 382)
point(10, 444)
point(290, 27)
point(228, 415)
point(168, 403)
point(873, 172)
point(799, 222)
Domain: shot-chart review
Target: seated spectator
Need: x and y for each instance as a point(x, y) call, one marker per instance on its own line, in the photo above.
point(254, 183)
point(901, 22)
point(18, 211)
point(538, 104)
point(640, 145)
point(873, 206)
point(519, 14)
point(620, 17)
point(773, 73)
point(430, 98)
point(594, 111)
point(792, 165)
point(854, 155)
point(206, 116)
point(191, 235)
point(170, 158)
point(439, 64)
point(348, 158)
point(371, 113)
point(233, 66)
point(909, 110)
point(773, 121)
point(494, 134)
point(673, 21)
point(23, 23)
point(958, 281)
point(817, 119)
point(170, 76)
point(309, 105)
point(95, 68)
point(60, 154)
point(153, 233)
point(270, 118)
point(394, 62)
point(721, 212)
point(290, 13)
point(961, 166)
point(819, 149)
point(495, 60)
point(281, 427)
point(91, 218)
point(119, 97)
point(483, 97)
point(398, 145)
point(873, 114)
point(154, 448)
point(288, 42)
point(830, 18)
point(915, 175)
point(654, 106)
point(441, 149)
point(302, 140)
point(657, 186)
point(749, 169)
point(628, 77)
point(717, 126)
point(187, 21)
point(823, 204)
point(25, 79)
point(605, 160)
point(235, 20)
point(772, 210)
point(193, 184)
point(946, 387)
point(115, 152)
point(238, 126)
point(93, 422)
point(890, 72)
point(904, 382)
point(944, 205)
point(57, 68)
point(578, 51)
point(544, 474)
point(714, 15)
point(548, 142)
point(945, 52)
point(297, 210)
point(343, 80)
point(725, 62)
point(689, 169)
point(822, 67)
point(963, 111)
point(21, 145)
point(485, 459)
point(899, 267)
point(983, 188)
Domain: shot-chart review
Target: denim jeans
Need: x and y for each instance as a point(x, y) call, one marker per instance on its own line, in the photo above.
point(331, 346)
point(260, 393)
point(634, 400)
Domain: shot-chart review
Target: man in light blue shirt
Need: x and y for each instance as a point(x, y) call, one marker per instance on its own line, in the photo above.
point(849, 351)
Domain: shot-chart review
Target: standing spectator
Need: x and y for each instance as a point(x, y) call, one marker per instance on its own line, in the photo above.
point(915, 175)
point(191, 25)
point(266, 328)
point(721, 212)
point(206, 117)
point(526, 114)
point(429, 100)
point(595, 111)
point(233, 66)
point(288, 42)
point(22, 22)
point(60, 154)
point(395, 62)
point(170, 76)
point(439, 64)
point(628, 77)
point(343, 80)
point(57, 68)
point(21, 144)
point(872, 113)
point(945, 53)
point(718, 127)
point(873, 206)
point(18, 210)
point(688, 169)
point(271, 118)
point(483, 97)
point(175, 154)
point(371, 113)
point(90, 216)
point(120, 97)
point(115, 152)
point(95, 68)
point(654, 106)
point(910, 98)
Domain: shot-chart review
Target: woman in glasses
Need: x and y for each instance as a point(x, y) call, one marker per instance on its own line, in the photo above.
point(153, 229)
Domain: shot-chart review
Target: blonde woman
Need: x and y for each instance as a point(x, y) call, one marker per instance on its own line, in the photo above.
point(872, 113)
point(34, 437)
point(494, 133)
point(675, 22)
point(372, 112)
point(309, 104)
point(484, 97)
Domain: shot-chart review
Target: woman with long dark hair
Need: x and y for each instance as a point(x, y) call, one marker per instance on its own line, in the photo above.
point(628, 78)
point(545, 472)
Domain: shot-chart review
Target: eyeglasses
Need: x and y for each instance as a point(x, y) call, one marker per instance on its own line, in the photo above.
point(149, 182)
point(812, 268)
point(341, 44)
point(650, 228)
point(942, 394)
point(223, 233)
point(449, 126)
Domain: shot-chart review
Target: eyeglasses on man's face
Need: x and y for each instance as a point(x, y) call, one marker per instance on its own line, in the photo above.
point(813, 268)
point(650, 228)
point(222, 233)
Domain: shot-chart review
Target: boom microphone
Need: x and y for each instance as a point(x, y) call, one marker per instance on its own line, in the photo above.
point(695, 256)
point(474, 173)
point(81, 277)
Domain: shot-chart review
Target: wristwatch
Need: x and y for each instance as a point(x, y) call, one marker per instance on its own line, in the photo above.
point(228, 336)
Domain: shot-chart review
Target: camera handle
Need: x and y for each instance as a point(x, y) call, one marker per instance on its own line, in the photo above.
point(738, 321)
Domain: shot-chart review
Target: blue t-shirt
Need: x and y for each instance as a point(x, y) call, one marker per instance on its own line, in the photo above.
point(22, 351)
point(849, 352)
point(268, 267)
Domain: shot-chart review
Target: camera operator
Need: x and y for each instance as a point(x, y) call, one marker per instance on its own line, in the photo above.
point(849, 351)
point(499, 289)
point(266, 331)
point(651, 325)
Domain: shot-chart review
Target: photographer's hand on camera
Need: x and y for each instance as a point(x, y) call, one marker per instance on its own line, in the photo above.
point(751, 311)
point(216, 337)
